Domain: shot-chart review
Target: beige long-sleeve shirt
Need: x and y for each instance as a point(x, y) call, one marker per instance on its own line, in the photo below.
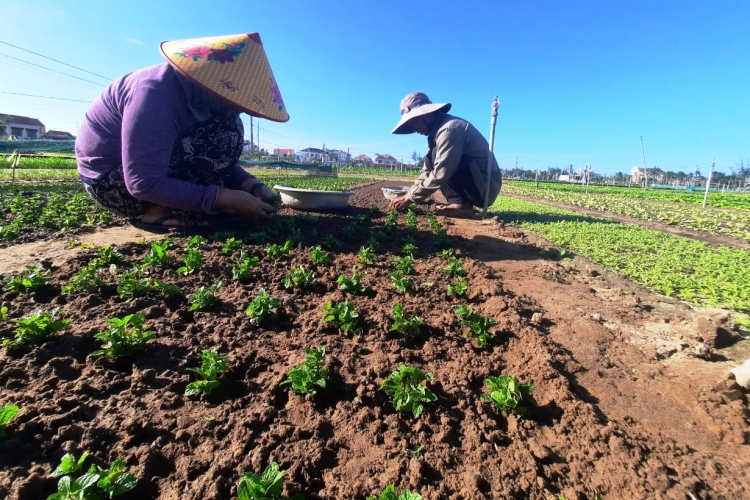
point(454, 143)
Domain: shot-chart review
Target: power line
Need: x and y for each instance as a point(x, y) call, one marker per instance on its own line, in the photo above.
point(45, 97)
point(55, 60)
point(50, 69)
point(49, 75)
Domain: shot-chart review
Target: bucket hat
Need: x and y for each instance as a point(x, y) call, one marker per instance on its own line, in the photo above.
point(232, 67)
point(414, 105)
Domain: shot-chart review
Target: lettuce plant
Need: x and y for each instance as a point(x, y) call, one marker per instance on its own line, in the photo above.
point(508, 395)
point(409, 250)
point(454, 267)
point(266, 486)
point(204, 297)
point(87, 279)
point(478, 326)
point(192, 259)
point(406, 324)
point(459, 288)
point(231, 245)
point(274, 251)
point(7, 413)
point(33, 278)
point(352, 285)
point(126, 336)
point(404, 264)
point(405, 389)
point(331, 244)
point(411, 219)
point(402, 283)
point(309, 376)
point(212, 366)
point(389, 493)
point(4, 313)
point(95, 484)
point(36, 329)
point(319, 257)
point(299, 278)
point(366, 256)
point(343, 315)
point(159, 254)
point(243, 266)
point(261, 308)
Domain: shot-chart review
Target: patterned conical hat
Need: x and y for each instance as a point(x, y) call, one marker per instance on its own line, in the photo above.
point(233, 67)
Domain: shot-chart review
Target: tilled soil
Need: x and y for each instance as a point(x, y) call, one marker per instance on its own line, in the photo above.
point(597, 427)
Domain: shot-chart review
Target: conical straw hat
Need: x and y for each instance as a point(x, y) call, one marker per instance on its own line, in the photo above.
point(233, 67)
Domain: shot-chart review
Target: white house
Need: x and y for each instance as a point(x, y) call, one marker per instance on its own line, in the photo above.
point(386, 160)
point(21, 127)
point(363, 161)
point(638, 174)
point(310, 155)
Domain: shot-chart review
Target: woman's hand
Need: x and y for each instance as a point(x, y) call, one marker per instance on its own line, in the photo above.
point(401, 203)
point(265, 193)
point(242, 203)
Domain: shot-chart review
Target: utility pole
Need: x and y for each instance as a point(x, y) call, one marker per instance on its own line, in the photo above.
point(252, 149)
point(708, 183)
point(258, 139)
point(493, 121)
point(645, 169)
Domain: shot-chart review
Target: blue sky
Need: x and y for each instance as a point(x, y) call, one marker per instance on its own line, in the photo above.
point(579, 81)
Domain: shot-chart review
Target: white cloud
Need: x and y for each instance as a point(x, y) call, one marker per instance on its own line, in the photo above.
point(135, 41)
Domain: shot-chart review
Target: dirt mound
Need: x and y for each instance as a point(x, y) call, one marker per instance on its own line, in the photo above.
point(348, 441)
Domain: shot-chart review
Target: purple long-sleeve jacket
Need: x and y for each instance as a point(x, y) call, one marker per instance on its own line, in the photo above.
point(135, 123)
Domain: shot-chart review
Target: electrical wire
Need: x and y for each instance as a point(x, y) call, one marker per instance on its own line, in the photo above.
point(44, 97)
point(55, 60)
point(49, 69)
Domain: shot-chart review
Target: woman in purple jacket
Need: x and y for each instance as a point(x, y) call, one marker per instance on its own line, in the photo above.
point(161, 145)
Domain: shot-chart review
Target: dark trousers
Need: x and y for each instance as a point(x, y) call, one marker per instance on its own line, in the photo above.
point(461, 188)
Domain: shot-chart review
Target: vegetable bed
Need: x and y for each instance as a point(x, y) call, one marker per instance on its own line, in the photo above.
point(347, 440)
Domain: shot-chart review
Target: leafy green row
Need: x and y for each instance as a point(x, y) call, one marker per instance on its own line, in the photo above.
point(691, 270)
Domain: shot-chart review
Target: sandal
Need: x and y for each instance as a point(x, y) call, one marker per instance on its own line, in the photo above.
point(455, 210)
point(158, 226)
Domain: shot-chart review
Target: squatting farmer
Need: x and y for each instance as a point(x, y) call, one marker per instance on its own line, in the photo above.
point(161, 144)
point(456, 159)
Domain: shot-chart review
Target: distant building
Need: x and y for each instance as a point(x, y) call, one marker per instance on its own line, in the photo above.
point(655, 175)
point(57, 135)
point(284, 153)
point(310, 155)
point(363, 161)
point(21, 127)
point(386, 161)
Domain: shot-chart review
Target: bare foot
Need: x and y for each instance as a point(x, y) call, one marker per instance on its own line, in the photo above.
point(160, 217)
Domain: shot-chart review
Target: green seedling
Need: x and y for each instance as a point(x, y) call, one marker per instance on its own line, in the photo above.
point(389, 493)
point(343, 315)
point(95, 484)
point(195, 243)
point(4, 313)
point(7, 413)
point(126, 336)
point(159, 254)
point(454, 268)
point(363, 219)
point(267, 486)
point(299, 278)
point(36, 329)
point(442, 240)
point(349, 232)
point(411, 219)
point(405, 389)
point(392, 218)
point(33, 278)
point(459, 288)
point(409, 250)
point(373, 244)
point(85, 280)
point(353, 284)
point(433, 222)
point(402, 283)
point(331, 244)
point(167, 288)
point(192, 259)
point(204, 297)
point(212, 366)
point(404, 264)
point(133, 283)
point(261, 308)
point(231, 245)
point(366, 256)
point(274, 251)
point(243, 266)
point(447, 254)
point(508, 395)
point(107, 255)
point(310, 376)
point(319, 257)
point(478, 326)
point(408, 325)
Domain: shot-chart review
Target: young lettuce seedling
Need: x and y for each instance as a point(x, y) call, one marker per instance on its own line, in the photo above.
point(478, 325)
point(331, 244)
point(192, 259)
point(409, 250)
point(406, 324)
point(36, 329)
point(95, 484)
point(274, 251)
point(366, 256)
point(213, 364)
point(33, 278)
point(299, 278)
point(342, 315)
point(260, 309)
point(411, 219)
point(353, 284)
point(159, 254)
point(107, 255)
point(85, 280)
point(454, 268)
point(4, 313)
point(459, 288)
point(405, 389)
point(267, 486)
point(404, 264)
point(389, 493)
point(392, 218)
point(195, 243)
point(243, 266)
point(402, 283)
point(509, 395)
point(126, 336)
point(7, 413)
point(319, 257)
point(204, 297)
point(231, 245)
point(309, 376)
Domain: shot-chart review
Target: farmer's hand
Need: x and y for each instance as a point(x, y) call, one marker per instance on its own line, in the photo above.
point(261, 191)
point(242, 203)
point(401, 203)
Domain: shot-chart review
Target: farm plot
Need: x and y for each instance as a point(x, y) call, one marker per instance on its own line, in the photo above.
point(719, 221)
point(351, 439)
